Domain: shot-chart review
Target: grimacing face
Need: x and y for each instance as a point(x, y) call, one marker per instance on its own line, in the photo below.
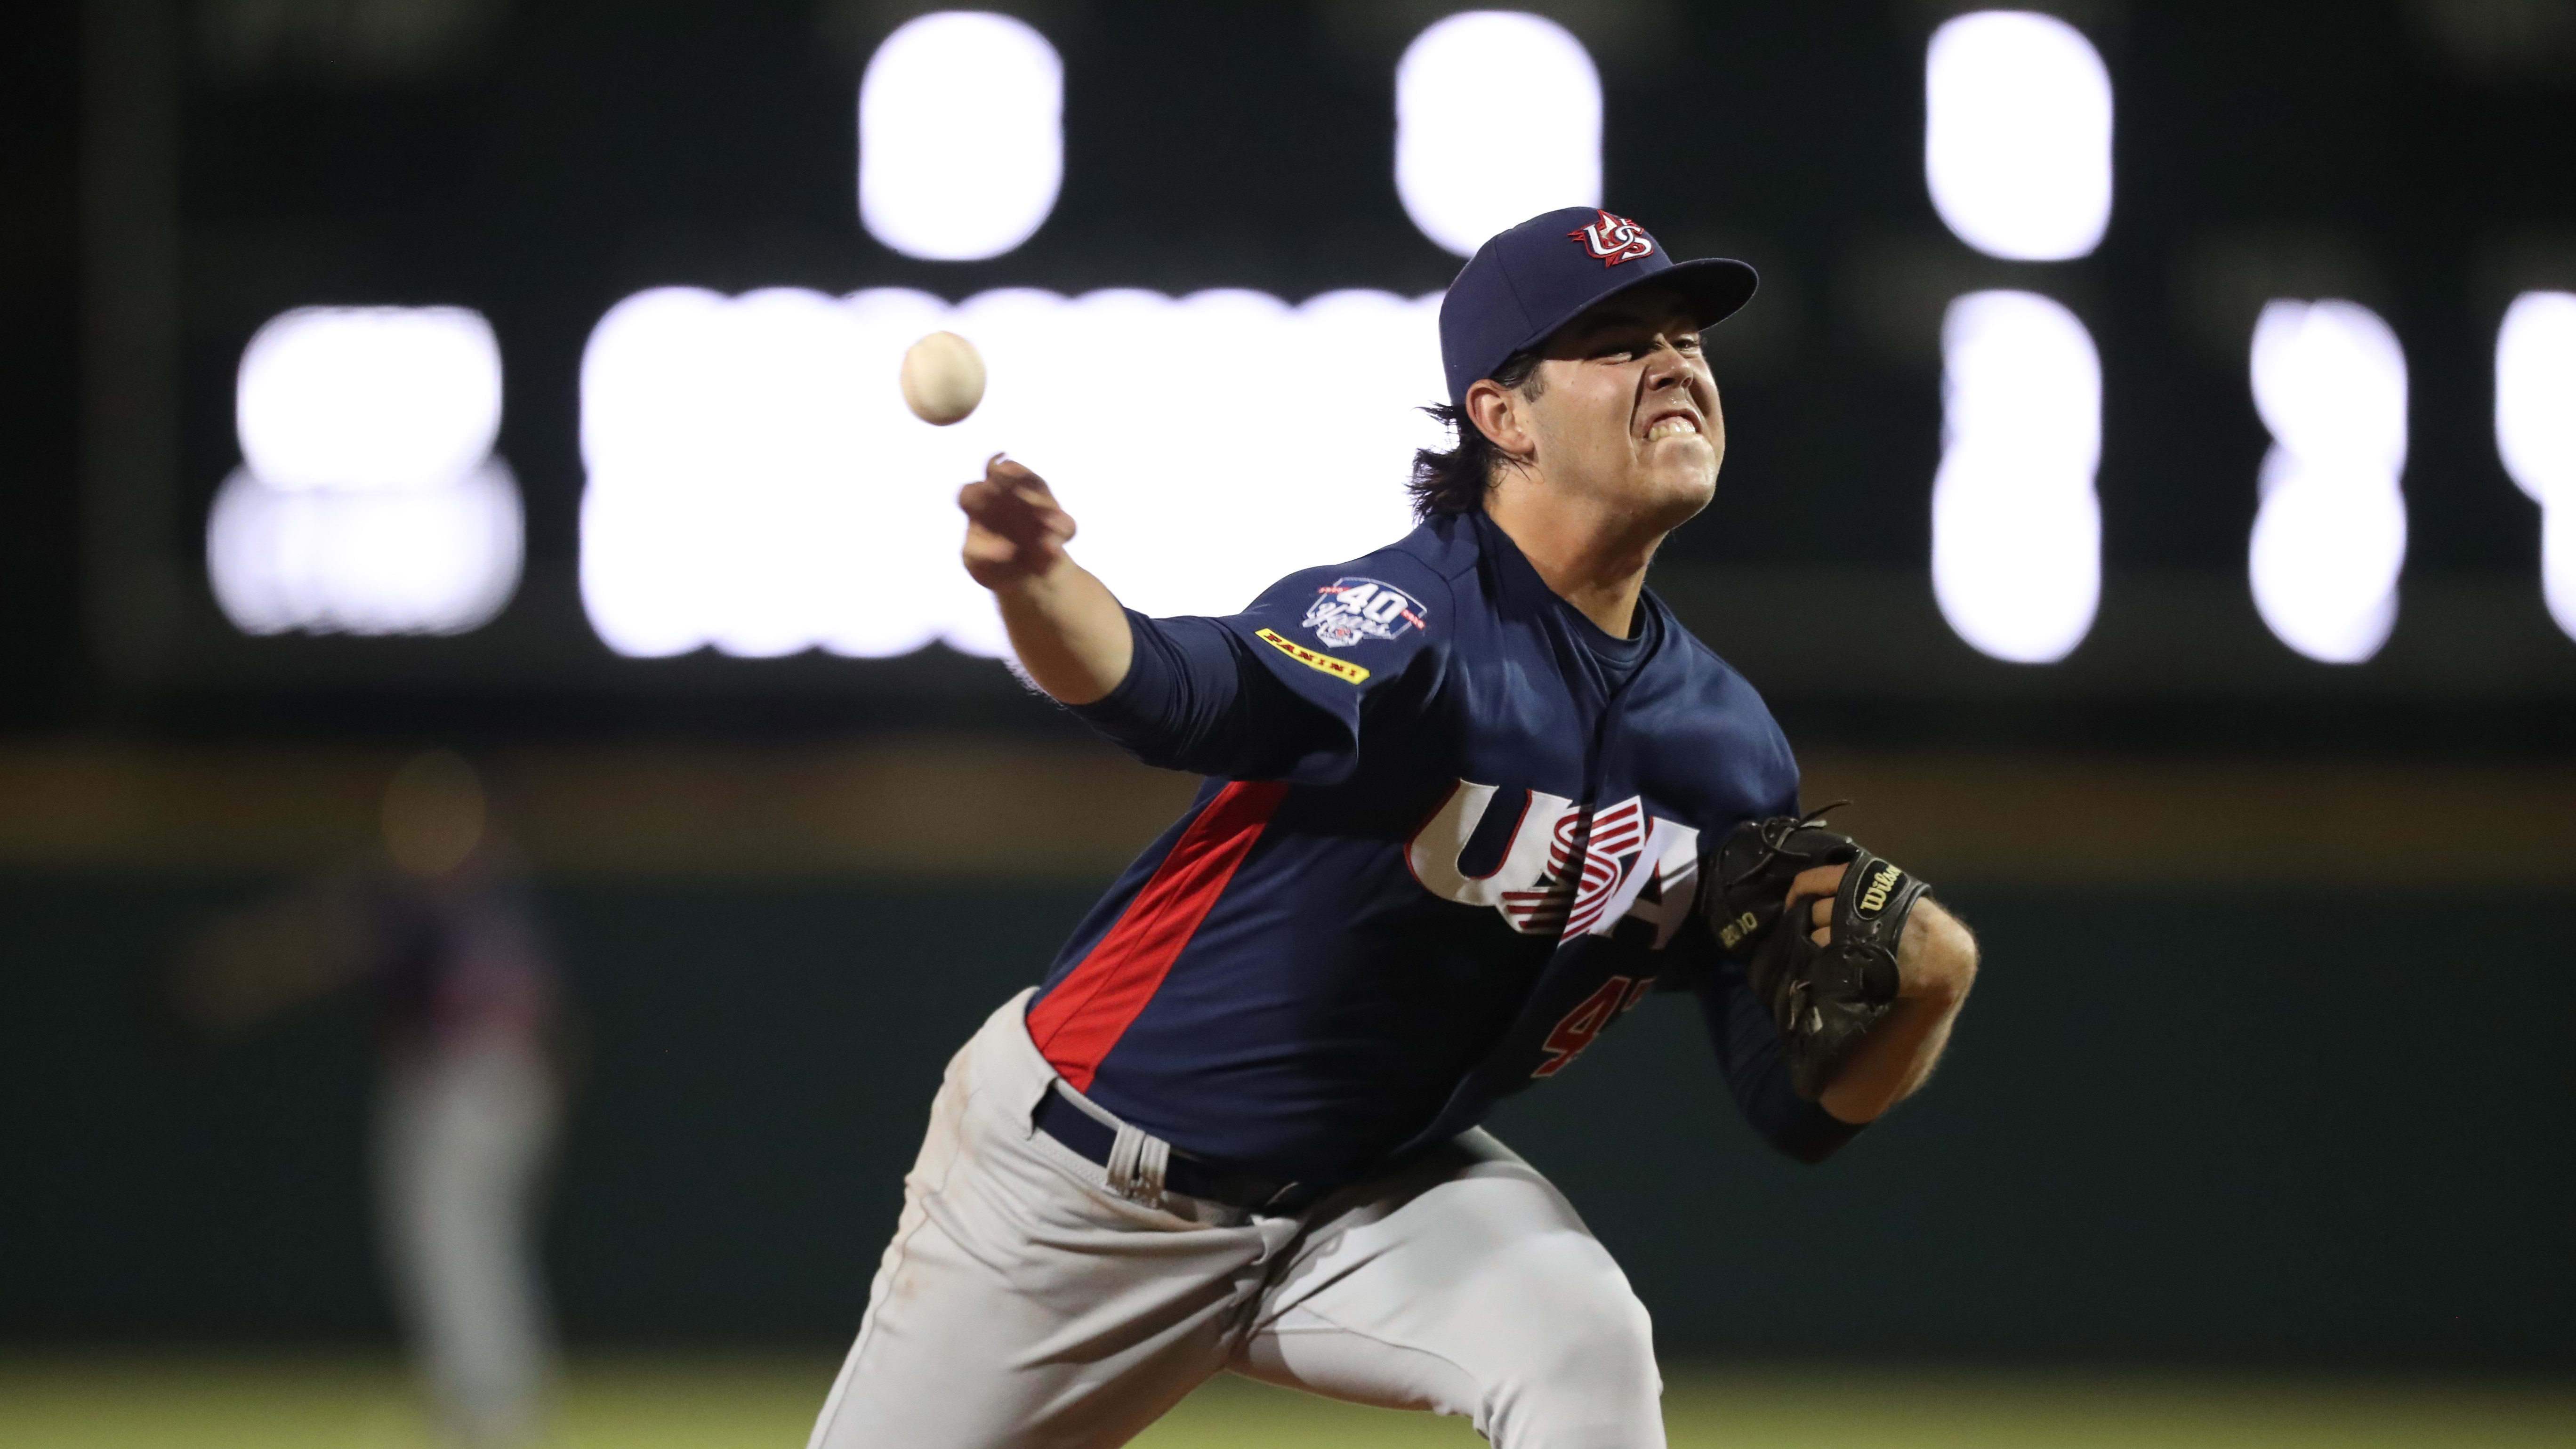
point(1628, 412)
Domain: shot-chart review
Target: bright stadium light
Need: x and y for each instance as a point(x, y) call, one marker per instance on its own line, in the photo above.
point(2330, 537)
point(961, 136)
point(2016, 527)
point(2017, 135)
point(1497, 118)
point(368, 397)
point(368, 501)
point(2535, 424)
point(434, 560)
point(755, 484)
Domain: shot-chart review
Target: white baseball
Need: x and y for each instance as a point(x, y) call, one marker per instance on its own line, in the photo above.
point(943, 378)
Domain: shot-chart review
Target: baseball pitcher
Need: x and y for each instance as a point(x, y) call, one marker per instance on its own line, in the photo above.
point(1470, 798)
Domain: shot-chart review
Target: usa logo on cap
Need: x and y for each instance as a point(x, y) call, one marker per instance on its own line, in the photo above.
point(1614, 239)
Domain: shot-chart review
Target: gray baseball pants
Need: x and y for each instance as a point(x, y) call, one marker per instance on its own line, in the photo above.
point(1023, 1302)
point(463, 1134)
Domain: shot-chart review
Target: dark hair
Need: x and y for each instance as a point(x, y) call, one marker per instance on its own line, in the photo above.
point(1457, 479)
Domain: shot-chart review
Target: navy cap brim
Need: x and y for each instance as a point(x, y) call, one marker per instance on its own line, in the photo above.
point(1715, 287)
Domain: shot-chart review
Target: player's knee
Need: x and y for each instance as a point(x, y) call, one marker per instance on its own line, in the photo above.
point(1586, 1375)
point(1608, 1340)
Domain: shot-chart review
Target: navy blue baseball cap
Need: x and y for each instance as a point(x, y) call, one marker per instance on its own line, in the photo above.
point(1525, 283)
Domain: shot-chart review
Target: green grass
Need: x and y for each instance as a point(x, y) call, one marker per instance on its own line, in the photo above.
point(321, 1402)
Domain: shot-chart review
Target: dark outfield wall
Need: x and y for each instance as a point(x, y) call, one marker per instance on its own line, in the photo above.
point(2234, 1128)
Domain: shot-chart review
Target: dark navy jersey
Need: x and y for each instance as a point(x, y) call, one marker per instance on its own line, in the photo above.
point(453, 962)
point(1452, 832)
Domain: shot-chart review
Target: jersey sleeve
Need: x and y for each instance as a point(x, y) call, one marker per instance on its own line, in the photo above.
point(1343, 642)
point(1194, 699)
point(1748, 1054)
point(1242, 698)
point(1739, 1024)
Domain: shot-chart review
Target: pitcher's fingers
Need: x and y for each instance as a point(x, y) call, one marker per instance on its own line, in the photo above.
point(1816, 880)
point(1028, 524)
point(1007, 509)
point(986, 496)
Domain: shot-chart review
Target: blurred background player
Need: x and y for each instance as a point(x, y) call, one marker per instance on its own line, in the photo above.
point(440, 933)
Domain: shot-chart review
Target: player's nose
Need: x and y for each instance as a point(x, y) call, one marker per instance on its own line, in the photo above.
point(1667, 368)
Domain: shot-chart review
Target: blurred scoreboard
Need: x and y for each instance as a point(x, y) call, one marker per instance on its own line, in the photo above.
point(2104, 352)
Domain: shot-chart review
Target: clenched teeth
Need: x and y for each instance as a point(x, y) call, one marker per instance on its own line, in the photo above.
point(1671, 427)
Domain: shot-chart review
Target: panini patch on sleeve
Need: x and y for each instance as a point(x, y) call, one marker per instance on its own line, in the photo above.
point(1341, 669)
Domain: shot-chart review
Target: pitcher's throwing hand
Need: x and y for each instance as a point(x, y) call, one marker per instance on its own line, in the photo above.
point(1014, 530)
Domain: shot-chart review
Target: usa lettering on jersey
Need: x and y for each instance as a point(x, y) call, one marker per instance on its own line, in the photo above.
point(1346, 611)
point(1568, 870)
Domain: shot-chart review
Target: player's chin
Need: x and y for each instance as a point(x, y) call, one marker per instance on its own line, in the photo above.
point(1684, 476)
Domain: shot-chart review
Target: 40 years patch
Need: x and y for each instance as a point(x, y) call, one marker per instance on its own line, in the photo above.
point(1346, 611)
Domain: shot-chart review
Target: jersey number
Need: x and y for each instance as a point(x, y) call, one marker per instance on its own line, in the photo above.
point(1584, 1022)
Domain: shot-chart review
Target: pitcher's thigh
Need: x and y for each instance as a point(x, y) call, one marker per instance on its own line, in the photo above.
point(952, 1357)
point(1469, 1286)
point(1016, 1307)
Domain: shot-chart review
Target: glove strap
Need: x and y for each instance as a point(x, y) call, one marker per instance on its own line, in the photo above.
point(1870, 911)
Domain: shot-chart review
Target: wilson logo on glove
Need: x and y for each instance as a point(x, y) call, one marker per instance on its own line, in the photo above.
point(1882, 884)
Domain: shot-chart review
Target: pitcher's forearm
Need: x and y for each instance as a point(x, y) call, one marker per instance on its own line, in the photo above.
point(1938, 960)
point(1892, 1061)
point(1069, 631)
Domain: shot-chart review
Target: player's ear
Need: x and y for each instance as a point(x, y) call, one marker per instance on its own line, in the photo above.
point(1502, 415)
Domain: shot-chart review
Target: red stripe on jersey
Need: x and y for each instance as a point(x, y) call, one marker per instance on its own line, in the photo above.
point(1078, 1022)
